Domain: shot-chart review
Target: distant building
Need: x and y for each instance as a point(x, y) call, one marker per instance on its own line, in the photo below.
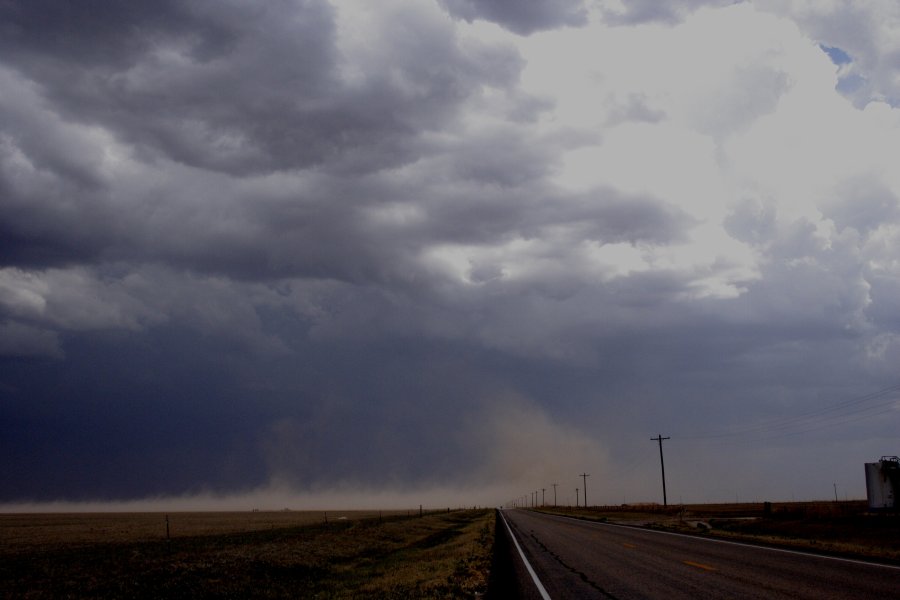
point(883, 483)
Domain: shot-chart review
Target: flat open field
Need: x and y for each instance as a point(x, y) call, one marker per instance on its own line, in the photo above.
point(36, 530)
point(840, 528)
point(247, 555)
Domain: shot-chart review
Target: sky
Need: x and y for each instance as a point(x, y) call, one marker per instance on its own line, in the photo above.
point(311, 253)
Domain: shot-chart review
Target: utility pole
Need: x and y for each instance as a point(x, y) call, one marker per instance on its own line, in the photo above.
point(576, 497)
point(659, 438)
point(543, 503)
point(554, 494)
point(584, 476)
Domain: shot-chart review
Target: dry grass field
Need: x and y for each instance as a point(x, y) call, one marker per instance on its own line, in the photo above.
point(34, 530)
point(246, 555)
point(839, 528)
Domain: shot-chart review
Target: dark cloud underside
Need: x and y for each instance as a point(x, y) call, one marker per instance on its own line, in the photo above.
point(523, 17)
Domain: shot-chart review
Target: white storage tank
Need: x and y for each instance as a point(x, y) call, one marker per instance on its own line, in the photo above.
point(883, 482)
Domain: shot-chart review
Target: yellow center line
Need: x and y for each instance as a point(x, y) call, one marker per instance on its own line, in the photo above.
point(699, 565)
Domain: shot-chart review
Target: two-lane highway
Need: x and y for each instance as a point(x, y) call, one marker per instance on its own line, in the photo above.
point(579, 559)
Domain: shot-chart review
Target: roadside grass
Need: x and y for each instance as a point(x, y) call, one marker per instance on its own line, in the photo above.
point(443, 555)
point(836, 528)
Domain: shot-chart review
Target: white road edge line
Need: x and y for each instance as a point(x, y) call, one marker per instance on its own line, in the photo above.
point(717, 541)
point(534, 577)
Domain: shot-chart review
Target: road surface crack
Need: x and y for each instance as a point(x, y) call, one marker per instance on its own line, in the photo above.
point(570, 568)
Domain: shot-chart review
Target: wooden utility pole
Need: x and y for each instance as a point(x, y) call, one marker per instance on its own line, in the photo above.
point(659, 438)
point(576, 497)
point(554, 494)
point(585, 476)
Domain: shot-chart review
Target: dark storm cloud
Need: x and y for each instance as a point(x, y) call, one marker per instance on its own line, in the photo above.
point(336, 243)
point(96, 31)
point(170, 411)
point(522, 17)
point(243, 89)
point(154, 159)
point(613, 218)
point(230, 89)
point(135, 415)
point(173, 78)
point(634, 12)
point(484, 216)
point(20, 340)
point(286, 225)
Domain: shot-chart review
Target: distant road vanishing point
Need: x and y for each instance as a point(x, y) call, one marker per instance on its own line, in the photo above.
point(558, 557)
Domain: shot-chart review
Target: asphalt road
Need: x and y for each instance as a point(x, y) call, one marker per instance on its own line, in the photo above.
point(579, 559)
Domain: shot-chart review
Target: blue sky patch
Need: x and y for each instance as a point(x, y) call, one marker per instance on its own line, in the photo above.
point(837, 56)
point(850, 83)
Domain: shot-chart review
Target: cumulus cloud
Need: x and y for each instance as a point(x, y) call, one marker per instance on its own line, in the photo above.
point(865, 35)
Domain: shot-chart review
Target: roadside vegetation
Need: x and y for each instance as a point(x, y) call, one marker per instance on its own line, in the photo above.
point(838, 528)
point(438, 555)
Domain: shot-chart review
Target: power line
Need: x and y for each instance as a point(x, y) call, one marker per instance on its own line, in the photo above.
point(841, 413)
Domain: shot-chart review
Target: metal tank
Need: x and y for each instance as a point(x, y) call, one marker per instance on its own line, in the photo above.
point(883, 482)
